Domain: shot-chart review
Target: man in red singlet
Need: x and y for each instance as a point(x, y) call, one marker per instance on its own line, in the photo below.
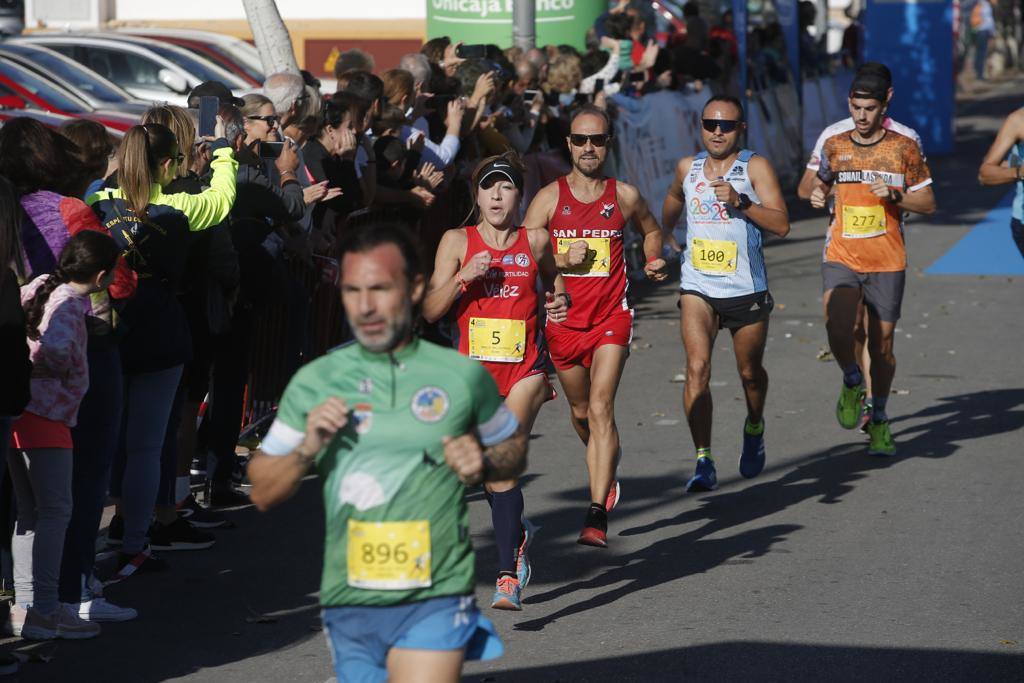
point(488, 274)
point(586, 214)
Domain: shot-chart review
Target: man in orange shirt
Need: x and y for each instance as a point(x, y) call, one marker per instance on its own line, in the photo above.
point(875, 175)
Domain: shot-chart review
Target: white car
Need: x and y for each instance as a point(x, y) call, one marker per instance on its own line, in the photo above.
point(236, 49)
point(143, 68)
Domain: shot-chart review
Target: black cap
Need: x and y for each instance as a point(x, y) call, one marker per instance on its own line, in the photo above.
point(213, 89)
point(875, 69)
point(502, 167)
point(870, 85)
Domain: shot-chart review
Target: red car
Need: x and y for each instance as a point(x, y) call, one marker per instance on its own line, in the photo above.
point(47, 118)
point(20, 89)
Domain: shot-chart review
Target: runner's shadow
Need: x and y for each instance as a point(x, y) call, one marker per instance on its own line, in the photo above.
point(826, 476)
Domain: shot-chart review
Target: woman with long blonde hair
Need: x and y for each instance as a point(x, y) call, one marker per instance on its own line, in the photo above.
point(153, 227)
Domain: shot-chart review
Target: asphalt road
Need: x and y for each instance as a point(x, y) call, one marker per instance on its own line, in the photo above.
point(830, 565)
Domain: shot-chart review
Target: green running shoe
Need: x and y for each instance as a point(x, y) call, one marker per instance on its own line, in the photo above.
point(881, 439)
point(849, 407)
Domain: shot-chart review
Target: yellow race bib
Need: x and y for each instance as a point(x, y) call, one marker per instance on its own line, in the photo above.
point(597, 262)
point(713, 257)
point(389, 556)
point(497, 339)
point(860, 222)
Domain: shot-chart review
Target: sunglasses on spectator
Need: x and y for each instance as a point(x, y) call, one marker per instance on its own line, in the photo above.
point(726, 125)
point(597, 139)
point(269, 120)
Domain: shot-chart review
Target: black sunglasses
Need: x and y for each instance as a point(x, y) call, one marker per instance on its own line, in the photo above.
point(727, 126)
point(597, 139)
point(270, 120)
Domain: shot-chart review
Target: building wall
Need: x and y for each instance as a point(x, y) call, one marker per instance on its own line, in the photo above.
point(147, 10)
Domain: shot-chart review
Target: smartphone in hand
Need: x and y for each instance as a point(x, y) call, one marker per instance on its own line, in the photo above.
point(475, 51)
point(208, 108)
point(270, 150)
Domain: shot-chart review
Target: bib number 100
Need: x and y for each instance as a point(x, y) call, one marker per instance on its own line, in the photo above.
point(712, 255)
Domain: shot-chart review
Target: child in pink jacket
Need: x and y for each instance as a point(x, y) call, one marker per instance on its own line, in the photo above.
point(40, 460)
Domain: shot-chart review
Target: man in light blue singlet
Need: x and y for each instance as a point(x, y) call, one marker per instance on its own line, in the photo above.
point(730, 196)
point(1002, 165)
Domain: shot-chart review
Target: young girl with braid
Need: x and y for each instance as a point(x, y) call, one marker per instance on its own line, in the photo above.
point(40, 463)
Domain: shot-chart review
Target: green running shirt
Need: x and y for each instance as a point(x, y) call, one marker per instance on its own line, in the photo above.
point(387, 465)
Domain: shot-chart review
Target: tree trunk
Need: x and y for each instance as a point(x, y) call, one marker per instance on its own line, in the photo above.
point(271, 37)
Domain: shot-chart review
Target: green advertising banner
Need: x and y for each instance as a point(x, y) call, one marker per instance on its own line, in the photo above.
point(490, 21)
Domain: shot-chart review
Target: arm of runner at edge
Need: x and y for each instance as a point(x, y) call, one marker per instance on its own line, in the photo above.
point(634, 207)
point(276, 478)
point(443, 290)
point(675, 202)
point(807, 182)
point(771, 214)
point(994, 169)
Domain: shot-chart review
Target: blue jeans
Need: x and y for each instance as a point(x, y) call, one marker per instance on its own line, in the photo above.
point(148, 398)
point(96, 440)
point(981, 41)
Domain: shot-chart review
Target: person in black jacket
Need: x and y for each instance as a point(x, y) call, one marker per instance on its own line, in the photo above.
point(14, 390)
point(330, 156)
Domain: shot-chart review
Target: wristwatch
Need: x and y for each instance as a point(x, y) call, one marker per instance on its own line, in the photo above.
point(745, 202)
point(568, 299)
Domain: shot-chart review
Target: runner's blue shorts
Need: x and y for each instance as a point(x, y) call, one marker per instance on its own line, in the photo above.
point(360, 637)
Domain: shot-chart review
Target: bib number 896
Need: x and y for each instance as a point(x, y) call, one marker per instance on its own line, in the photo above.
point(383, 553)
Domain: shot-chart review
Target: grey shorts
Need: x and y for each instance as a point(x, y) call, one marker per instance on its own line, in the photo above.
point(883, 292)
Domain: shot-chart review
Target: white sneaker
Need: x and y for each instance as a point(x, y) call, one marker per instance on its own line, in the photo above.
point(98, 609)
point(70, 626)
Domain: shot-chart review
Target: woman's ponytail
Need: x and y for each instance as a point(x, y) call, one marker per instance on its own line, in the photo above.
point(84, 256)
point(140, 153)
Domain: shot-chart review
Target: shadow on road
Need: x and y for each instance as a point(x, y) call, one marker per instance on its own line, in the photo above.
point(825, 476)
point(761, 661)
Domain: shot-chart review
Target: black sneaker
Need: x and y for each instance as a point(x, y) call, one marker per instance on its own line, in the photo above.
point(179, 535)
point(115, 532)
point(228, 498)
point(198, 467)
point(198, 516)
point(143, 562)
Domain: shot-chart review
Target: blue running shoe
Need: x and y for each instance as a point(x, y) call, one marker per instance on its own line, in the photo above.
point(524, 570)
point(704, 477)
point(506, 594)
point(752, 458)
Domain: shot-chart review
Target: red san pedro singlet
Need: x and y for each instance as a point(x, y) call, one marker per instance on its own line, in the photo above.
point(497, 315)
point(598, 285)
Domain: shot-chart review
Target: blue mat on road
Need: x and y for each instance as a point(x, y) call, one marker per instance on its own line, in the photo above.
point(988, 249)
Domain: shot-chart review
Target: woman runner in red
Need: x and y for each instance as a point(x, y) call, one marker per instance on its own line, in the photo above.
point(488, 273)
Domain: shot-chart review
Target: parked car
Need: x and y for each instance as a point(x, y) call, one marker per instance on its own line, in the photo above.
point(71, 76)
point(136, 68)
point(239, 51)
point(208, 49)
point(49, 119)
point(26, 90)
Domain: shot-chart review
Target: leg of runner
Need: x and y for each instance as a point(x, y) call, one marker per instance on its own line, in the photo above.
point(748, 345)
point(881, 335)
point(840, 319)
point(699, 325)
point(513, 533)
point(576, 385)
point(424, 666)
point(860, 336)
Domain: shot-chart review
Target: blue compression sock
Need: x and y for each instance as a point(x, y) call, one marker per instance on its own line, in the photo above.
point(506, 516)
point(878, 409)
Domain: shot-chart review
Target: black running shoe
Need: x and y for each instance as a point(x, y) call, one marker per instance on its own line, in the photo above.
point(228, 498)
point(179, 535)
point(198, 516)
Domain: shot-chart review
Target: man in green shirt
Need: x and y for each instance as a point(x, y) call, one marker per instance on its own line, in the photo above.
point(395, 426)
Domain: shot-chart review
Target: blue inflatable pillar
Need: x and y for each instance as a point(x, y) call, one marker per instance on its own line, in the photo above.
point(914, 38)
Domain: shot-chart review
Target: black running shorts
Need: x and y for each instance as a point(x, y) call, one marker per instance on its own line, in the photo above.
point(737, 311)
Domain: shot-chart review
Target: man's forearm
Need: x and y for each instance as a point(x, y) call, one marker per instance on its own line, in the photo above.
point(275, 478)
point(506, 460)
